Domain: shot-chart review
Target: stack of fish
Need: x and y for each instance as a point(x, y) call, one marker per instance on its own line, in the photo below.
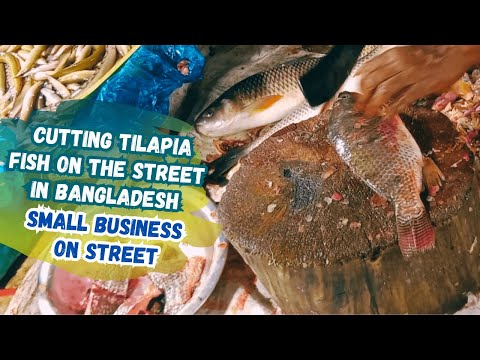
point(41, 76)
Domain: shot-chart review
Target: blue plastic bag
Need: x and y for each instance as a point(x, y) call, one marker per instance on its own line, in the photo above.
point(151, 74)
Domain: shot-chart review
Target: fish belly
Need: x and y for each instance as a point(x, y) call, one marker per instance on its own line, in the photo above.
point(273, 114)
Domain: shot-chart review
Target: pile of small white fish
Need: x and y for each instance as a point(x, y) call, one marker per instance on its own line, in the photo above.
point(41, 76)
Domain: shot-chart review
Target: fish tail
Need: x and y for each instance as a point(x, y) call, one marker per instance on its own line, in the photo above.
point(415, 235)
point(224, 163)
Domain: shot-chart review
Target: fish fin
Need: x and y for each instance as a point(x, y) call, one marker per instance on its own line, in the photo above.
point(432, 175)
point(262, 104)
point(224, 163)
point(415, 235)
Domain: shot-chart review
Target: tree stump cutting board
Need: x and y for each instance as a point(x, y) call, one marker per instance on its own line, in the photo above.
point(318, 255)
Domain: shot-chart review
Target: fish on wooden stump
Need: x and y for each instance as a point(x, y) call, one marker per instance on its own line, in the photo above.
point(322, 241)
point(383, 153)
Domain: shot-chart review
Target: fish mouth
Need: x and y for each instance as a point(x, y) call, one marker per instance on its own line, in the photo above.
point(202, 126)
point(347, 100)
point(208, 127)
point(348, 95)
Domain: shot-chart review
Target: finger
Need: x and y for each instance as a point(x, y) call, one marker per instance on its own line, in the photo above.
point(381, 60)
point(392, 88)
point(400, 102)
point(371, 81)
point(413, 93)
point(395, 86)
point(388, 80)
point(387, 65)
point(404, 55)
point(371, 99)
point(370, 85)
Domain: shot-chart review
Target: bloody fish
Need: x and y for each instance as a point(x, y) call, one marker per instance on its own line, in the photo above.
point(383, 153)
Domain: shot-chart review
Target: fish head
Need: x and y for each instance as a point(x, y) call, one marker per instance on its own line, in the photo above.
point(217, 119)
point(345, 103)
point(343, 114)
point(346, 99)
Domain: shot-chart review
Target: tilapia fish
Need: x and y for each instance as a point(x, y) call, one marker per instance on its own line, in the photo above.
point(383, 153)
point(259, 100)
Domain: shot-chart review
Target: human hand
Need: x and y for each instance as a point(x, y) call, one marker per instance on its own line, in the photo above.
point(404, 74)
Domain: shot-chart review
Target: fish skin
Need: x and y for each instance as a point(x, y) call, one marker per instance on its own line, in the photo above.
point(143, 290)
point(179, 286)
point(124, 297)
point(105, 297)
point(276, 91)
point(383, 153)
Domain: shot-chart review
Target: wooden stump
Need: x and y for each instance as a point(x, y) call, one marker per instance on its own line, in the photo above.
point(343, 257)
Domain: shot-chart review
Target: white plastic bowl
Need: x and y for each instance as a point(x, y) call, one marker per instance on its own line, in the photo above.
point(215, 255)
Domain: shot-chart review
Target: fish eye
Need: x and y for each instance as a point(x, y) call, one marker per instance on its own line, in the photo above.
point(208, 113)
point(344, 96)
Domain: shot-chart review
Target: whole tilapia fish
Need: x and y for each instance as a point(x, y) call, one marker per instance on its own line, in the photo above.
point(258, 100)
point(383, 153)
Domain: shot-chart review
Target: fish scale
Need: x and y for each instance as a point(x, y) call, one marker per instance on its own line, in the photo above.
point(383, 153)
point(277, 81)
point(258, 100)
point(284, 77)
